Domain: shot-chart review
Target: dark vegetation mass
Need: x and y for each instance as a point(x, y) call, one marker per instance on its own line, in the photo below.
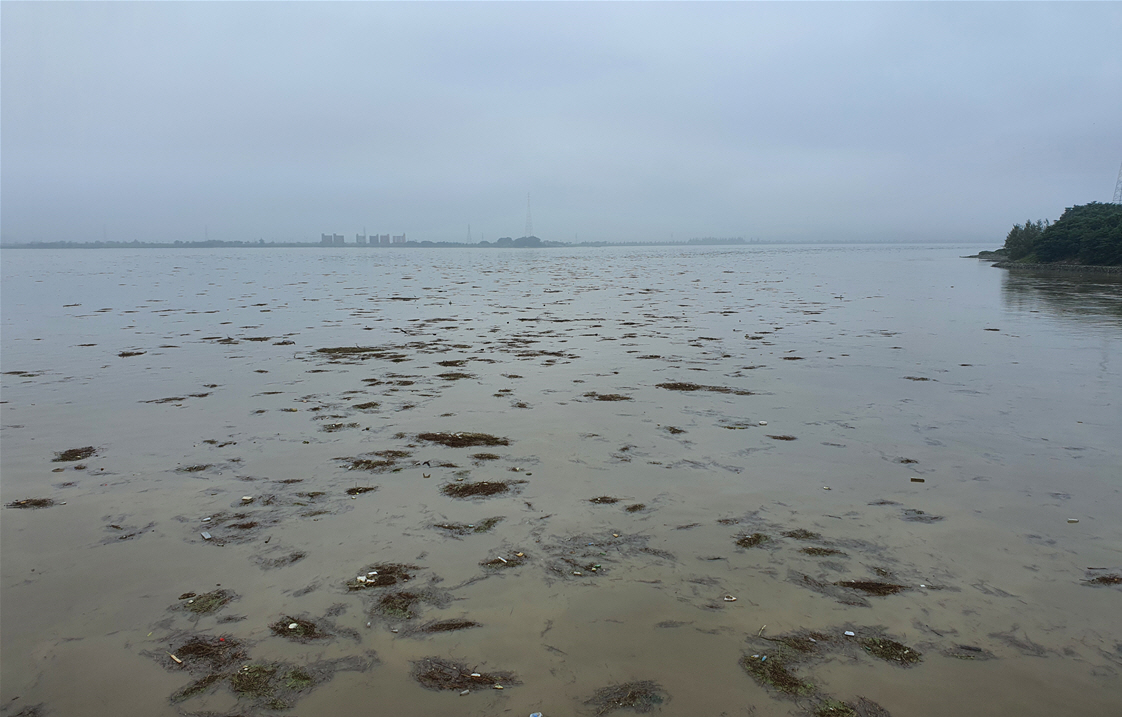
point(1086, 234)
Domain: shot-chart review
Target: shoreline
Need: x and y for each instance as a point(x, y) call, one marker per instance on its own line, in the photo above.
point(1077, 268)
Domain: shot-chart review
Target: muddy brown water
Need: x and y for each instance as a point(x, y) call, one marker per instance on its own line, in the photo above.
point(198, 379)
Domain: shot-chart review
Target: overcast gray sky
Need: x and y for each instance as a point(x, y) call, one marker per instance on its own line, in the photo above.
point(624, 121)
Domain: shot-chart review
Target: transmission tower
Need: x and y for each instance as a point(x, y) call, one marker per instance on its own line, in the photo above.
point(1118, 188)
point(529, 220)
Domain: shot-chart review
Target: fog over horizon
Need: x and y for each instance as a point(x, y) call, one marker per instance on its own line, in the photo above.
point(623, 121)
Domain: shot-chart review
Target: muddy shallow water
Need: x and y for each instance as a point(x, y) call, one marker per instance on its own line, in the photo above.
point(613, 478)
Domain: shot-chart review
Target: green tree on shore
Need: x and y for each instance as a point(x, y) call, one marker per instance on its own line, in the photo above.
point(1084, 234)
point(1022, 238)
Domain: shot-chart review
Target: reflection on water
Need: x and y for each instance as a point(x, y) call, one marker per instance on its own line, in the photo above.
point(1094, 298)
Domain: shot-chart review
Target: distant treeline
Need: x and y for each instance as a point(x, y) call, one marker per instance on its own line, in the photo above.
point(1086, 234)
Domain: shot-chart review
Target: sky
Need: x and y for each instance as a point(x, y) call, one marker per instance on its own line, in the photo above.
point(621, 121)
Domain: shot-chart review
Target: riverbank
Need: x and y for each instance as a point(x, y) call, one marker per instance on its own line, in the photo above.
point(1078, 268)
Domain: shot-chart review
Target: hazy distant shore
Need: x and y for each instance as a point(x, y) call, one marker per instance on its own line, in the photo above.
point(435, 245)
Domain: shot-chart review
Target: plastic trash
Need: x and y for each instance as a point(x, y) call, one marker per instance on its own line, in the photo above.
point(763, 423)
point(465, 692)
point(1073, 520)
point(206, 535)
point(850, 634)
point(535, 714)
point(293, 625)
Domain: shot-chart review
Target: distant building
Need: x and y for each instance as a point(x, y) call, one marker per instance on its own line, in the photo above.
point(360, 238)
point(384, 239)
point(337, 239)
point(399, 239)
point(324, 238)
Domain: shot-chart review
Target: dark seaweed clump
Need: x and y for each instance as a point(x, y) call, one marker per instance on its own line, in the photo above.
point(271, 685)
point(257, 680)
point(213, 654)
point(641, 696)
point(871, 587)
point(446, 626)
point(603, 500)
point(349, 350)
point(782, 438)
point(686, 386)
point(359, 490)
point(499, 563)
point(918, 516)
point(478, 489)
point(778, 658)
point(193, 469)
point(753, 540)
point(398, 605)
point(74, 454)
point(461, 440)
point(436, 673)
point(801, 534)
point(1106, 580)
point(607, 396)
point(383, 575)
point(891, 651)
point(304, 630)
point(207, 603)
point(775, 670)
point(482, 526)
point(31, 503)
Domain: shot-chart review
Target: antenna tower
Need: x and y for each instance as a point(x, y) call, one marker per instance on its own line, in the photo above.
point(1118, 188)
point(529, 220)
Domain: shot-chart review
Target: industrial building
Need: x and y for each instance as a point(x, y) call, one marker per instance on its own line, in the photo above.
point(362, 239)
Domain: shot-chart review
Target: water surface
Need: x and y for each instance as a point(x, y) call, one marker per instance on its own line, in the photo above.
point(933, 420)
